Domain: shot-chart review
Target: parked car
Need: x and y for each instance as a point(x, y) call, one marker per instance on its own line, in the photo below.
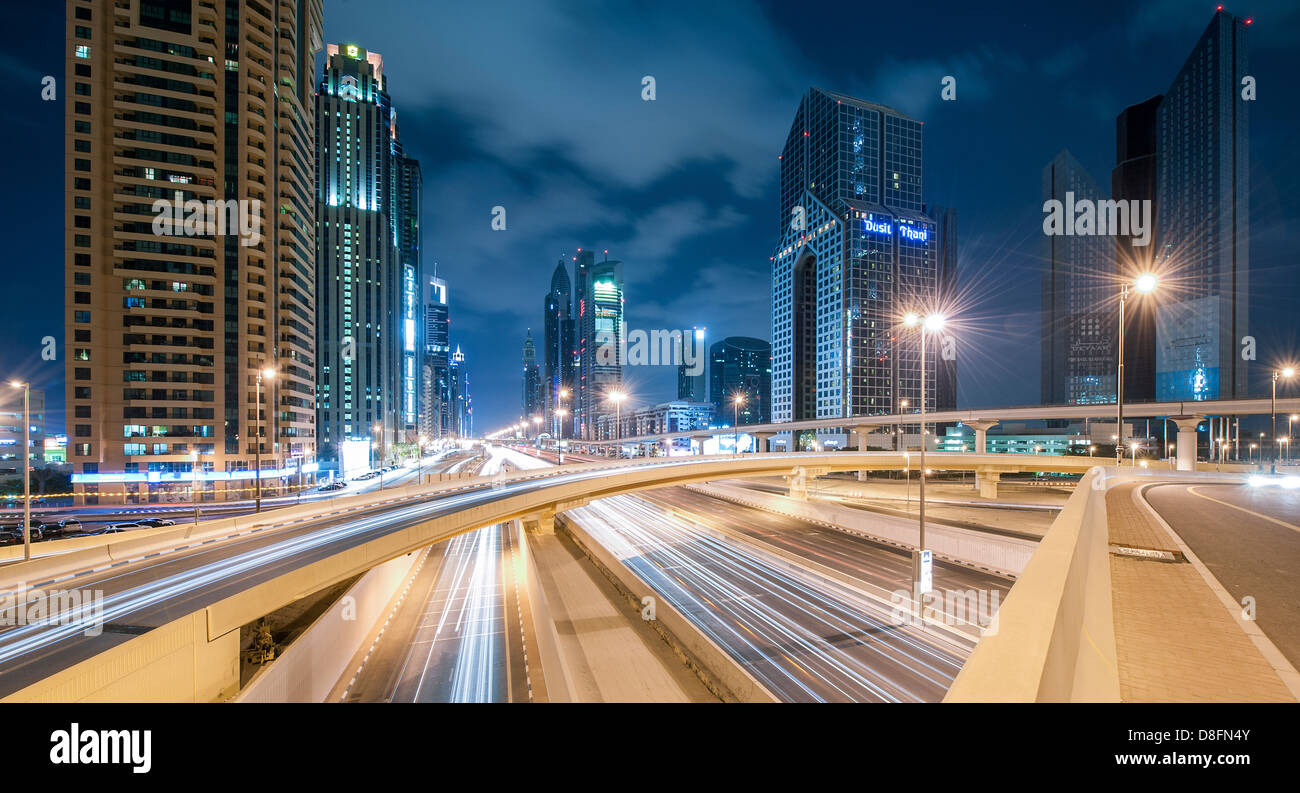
point(13, 535)
point(156, 522)
point(121, 526)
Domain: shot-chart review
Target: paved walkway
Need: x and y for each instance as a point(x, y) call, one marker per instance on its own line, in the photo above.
point(609, 653)
point(1175, 639)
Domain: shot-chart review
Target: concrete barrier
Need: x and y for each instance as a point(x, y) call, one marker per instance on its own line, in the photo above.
point(1056, 630)
point(559, 687)
point(719, 672)
point(314, 662)
point(981, 550)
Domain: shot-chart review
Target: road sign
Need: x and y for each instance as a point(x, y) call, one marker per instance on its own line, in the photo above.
point(925, 578)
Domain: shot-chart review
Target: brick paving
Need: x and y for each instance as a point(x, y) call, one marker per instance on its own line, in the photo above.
point(1175, 640)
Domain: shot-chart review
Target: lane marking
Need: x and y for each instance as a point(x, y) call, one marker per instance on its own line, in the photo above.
point(1290, 526)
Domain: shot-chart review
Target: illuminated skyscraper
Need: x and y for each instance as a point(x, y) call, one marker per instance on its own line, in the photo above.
point(436, 401)
point(856, 253)
point(168, 326)
point(531, 403)
point(368, 256)
point(557, 351)
point(598, 304)
point(741, 367)
point(1203, 219)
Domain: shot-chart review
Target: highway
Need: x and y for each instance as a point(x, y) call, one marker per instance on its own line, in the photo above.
point(456, 636)
point(882, 568)
point(801, 642)
point(1249, 538)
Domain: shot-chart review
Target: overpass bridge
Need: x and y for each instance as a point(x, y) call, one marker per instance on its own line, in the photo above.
point(1186, 415)
point(175, 598)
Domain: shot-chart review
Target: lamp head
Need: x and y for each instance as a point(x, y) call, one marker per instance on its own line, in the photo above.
point(911, 319)
point(1146, 283)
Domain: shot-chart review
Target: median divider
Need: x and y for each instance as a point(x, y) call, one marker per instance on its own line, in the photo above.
point(719, 672)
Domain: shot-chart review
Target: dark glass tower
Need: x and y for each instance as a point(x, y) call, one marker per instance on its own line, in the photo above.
point(598, 305)
point(1203, 219)
point(531, 404)
point(436, 398)
point(856, 253)
point(1134, 179)
point(741, 366)
point(557, 352)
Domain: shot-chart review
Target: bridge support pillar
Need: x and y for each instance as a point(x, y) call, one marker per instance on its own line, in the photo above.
point(861, 433)
point(798, 479)
point(1186, 444)
point(762, 441)
point(986, 482)
point(981, 427)
point(701, 439)
point(542, 522)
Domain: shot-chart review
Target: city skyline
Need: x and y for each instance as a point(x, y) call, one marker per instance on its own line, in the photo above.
point(691, 206)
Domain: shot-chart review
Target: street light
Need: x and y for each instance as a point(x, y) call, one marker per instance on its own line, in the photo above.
point(932, 323)
point(1144, 284)
point(1287, 372)
point(419, 465)
point(269, 374)
point(27, 466)
point(1133, 447)
point(617, 398)
point(194, 483)
point(736, 402)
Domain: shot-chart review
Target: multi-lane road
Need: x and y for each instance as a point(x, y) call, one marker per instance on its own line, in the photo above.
point(801, 639)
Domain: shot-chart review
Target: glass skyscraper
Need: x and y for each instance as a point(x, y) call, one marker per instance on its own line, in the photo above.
point(1078, 291)
point(598, 306)
point(367, 256)
point(1203, 219)
point(741, 366)
point(436, 399)
point(856, 253)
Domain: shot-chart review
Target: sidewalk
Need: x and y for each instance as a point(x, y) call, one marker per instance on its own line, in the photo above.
point(609, 653)
point(1175, 640)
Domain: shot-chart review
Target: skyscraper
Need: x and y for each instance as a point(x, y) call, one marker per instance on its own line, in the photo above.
point(367, 253)
point(462, 407)
point(741, 366)
point(1203, 219)
point(598, 304)
point(693, 387)
point(856, 253)
point(169, 323)
point(557, 352)
point(436, 399)
point(531, 403)
point(1078, 292)
point(1134, 179)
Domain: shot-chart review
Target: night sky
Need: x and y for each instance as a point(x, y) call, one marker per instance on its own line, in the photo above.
point(537, 107)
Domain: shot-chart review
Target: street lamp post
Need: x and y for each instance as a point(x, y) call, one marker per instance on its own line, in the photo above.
point(27, 467)
point(735, 422)
point(932, 323)
point(269, 374)
point(1288, 373)
point(419, 458)
point(1144, 284)
point(559, 442)
point(617, 398)
point(194, 484)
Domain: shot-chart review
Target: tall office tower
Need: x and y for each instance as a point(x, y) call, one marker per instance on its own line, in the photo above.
point(945, 386)
point(693, 387)
point(1203, 219)
point(436, 401)
point(557, 353)
point(856, 253)
point(1078, 293)
point(741, 366)
point(409, 185)
point(462, 407)
point(531, 403)
point(598, 303)
point(1134, 179)
point(209, 105)
point(366, 311)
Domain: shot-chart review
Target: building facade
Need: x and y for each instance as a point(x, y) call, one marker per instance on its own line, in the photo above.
point(1134, 179)
point(190, 252)
point(531, 401)
point(598, 310)
point(436, 401)
point(367, 254)
point(1078, 298)
point(1203, 219)
point(558, 353)
point(740, 366)
point(462, 405)
point(856, 253)
point(693, 387)
point(11, 433)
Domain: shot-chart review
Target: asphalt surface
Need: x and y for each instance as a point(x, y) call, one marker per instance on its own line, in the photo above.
point(800, 641)
point(1249, 538)
point(878, 565)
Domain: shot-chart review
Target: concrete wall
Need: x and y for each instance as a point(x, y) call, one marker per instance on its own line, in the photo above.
point(718, 670)
point(309, 668)
point(1055, 639)
point(982, 550)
